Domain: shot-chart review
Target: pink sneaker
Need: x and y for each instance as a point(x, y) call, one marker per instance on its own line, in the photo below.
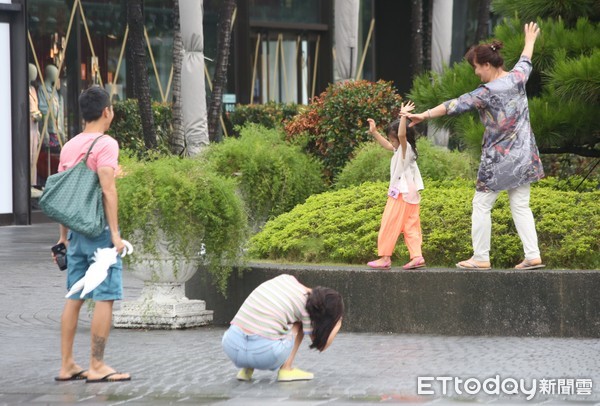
point(416, 262)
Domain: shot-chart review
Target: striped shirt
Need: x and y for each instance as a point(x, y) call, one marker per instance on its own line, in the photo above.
point(273, 307)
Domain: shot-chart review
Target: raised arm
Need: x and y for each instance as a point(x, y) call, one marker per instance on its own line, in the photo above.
point(380, 138)
point(404, 110)
point(531, 33)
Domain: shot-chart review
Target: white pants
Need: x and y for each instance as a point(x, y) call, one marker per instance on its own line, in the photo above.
point(481, 231)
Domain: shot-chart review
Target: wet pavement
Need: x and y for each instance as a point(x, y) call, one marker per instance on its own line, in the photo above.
point(189, 367)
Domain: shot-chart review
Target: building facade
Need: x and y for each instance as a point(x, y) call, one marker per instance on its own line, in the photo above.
point(282, 51)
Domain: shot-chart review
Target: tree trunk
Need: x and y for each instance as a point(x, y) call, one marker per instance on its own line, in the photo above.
point(220, 77)
point(428, 34)
point(137, 47)
point(177, 141)
point(483, 20)
point(417, 36)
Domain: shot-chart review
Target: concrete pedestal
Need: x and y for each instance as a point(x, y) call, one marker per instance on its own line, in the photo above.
point(162, 306)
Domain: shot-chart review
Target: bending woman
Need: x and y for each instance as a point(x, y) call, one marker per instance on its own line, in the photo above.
point(509, 159)
point(268, 328)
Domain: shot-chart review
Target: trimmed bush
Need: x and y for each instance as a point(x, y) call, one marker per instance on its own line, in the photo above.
point(336, 121)
point(273, 176)
point(372, 164)
point(192, 206)
point(268, 115)
point(569, 184)
point(342, 227)
point(126, 127)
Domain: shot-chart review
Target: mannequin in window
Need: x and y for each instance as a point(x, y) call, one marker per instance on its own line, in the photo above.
point(50, 105)
point(35, 115)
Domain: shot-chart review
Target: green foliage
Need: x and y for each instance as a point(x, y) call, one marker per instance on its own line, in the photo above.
point(569, 184)
point(470, 130)
point(338, 226)
point(342, 226)
point(126, 127)
point(268, 115)
point(430, 89)
point(372, 164)
point(438, 163)
point(190, 205)
point(564, 124)
point(273, 176)
point(530, 10)
point(577, 79)
point(336, 121)
point(556, 42)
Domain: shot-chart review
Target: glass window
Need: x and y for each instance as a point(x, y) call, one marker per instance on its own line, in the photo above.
point(290, 11)
point(158, 16)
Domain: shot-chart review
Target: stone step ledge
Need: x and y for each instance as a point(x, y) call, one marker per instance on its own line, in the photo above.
point(540, 303)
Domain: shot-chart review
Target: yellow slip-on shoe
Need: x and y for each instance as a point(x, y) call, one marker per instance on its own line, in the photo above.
point(289, 375)
point(245, 374)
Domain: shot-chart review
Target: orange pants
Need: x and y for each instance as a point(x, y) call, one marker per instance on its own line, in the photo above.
point(400, 217)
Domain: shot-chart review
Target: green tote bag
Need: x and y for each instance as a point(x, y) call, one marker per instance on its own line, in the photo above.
point(73, 198)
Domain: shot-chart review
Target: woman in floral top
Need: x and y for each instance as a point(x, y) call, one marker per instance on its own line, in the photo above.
point(509, 158)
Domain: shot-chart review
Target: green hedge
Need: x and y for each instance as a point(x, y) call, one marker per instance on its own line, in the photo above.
point(269, 115)
point(126, 127)
point(372, 164)
point(273, 176)
point(190, 204)
point(342, 227)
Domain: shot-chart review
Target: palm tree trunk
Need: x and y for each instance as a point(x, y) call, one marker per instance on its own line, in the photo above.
point(137, 46)
point(177, 141)
point(220, 77)
point(417, 36)
point(428, 37)
point(483, 20)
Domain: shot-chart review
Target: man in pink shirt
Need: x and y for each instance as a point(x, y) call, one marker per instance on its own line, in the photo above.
point(97, 112)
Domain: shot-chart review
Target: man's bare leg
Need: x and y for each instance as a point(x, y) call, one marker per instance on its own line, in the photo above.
point(100, 329)
point(68, 328)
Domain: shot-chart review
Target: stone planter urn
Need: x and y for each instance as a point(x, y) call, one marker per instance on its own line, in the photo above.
point(162, 303)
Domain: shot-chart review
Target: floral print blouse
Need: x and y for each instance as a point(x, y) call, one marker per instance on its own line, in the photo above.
point(509, 155)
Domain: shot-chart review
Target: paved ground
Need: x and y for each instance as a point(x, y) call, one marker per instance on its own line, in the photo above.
point(189, 367)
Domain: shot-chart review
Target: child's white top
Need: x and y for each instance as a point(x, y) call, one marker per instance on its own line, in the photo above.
point(402, 170)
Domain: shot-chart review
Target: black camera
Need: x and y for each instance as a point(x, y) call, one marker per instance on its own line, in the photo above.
point(60, 253)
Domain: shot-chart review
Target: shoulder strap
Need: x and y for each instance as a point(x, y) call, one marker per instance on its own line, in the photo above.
point(90, 149)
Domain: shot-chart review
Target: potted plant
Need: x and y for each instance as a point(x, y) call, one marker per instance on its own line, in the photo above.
point(178, 216)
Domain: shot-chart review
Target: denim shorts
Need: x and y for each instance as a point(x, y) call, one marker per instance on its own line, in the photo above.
point(80, 252)
point(254, 351)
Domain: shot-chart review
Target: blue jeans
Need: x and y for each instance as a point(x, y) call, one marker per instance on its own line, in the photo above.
point(254, 351)
point(80, 251)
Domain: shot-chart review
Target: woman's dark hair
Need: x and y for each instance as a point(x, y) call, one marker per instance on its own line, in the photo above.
point(325, 307)
point(486, 53)
point(411, 134)
point(92, 103)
